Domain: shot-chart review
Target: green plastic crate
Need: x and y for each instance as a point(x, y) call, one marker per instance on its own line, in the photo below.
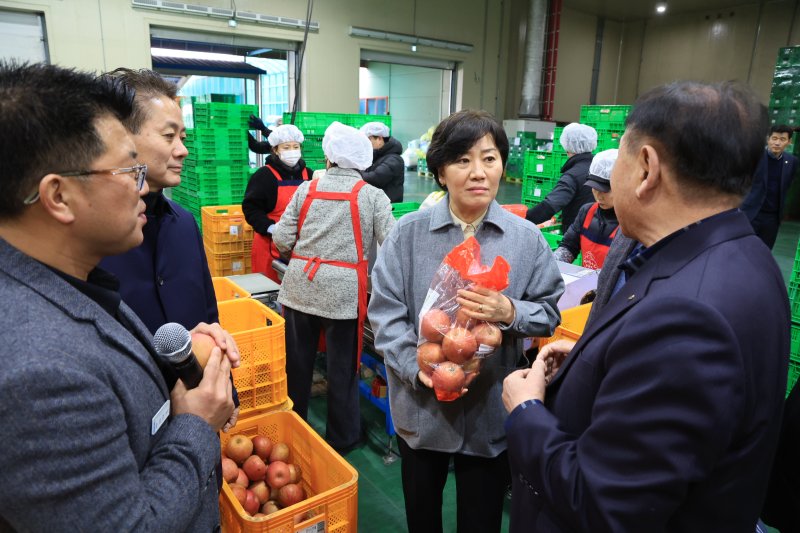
point(402, 208)
point(553, 239)
point(792, 376)
point(600, 114)
point(539, 163)
point(316, 123)
point(794, 347)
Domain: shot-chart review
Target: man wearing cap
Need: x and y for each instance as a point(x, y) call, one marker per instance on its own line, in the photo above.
point(596, 225)
point(270, 190)
point(328, 228)
point(387, 171)
point(569, 194)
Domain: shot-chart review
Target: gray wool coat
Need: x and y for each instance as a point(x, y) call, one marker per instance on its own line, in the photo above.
point(408, 259)
point(328, 233)
point(78, 394)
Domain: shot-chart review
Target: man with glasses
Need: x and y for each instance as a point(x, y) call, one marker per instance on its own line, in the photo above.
point(93, 438)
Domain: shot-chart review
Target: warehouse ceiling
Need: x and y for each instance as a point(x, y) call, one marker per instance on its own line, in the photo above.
point(634, 10)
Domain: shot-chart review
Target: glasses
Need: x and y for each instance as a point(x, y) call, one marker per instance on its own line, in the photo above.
point(139, 173)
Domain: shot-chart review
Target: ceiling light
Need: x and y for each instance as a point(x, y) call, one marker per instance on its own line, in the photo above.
point(661, 8)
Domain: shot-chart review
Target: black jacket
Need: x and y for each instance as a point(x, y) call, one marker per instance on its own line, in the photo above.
point(258, 147)
point(262, 191)
point(602, 225)
point(387, 171)
point(569, 194)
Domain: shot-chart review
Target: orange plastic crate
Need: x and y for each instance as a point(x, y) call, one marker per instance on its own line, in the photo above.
point(228, 264)
point(230, 247)
point(258, 331)
point(225, 289)
point(573, 321)
point(329, 481)
point(225, 223)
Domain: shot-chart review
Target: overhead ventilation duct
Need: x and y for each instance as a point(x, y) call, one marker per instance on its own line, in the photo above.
point(531, 98)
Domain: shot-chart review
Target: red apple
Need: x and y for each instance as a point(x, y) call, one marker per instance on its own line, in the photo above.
point(295, 474)
point(262, 447)
point(488, 334)
point(448, 377)
point(291, 494)
point(429, 354)
point(202, 345)
point(229, 470)
point(255, 468)
point(462, 319)
point(242, 479)
point(280, 452)
point(277, 474)
point(271, 506)
point(240, 493)
point(261, 491)
point(459, 345)
point(239, 448)
point(434, 325)
point(251, 504)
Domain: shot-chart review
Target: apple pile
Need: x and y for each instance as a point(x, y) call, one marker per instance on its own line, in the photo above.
point(451, 350)
point(260, 475)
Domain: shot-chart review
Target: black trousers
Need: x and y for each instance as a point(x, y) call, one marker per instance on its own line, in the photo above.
point(766, 226)
point(481, 485)
point(343, 426)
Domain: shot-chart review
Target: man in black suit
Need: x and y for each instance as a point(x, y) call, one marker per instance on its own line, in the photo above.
point(773, 177)
point(665, 416)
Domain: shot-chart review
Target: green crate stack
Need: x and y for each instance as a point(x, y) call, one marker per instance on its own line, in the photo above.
point(315, 124)
point(608, 120)
point(217, 168)
point(784, 99)
point(794, 301)
point(401, 208)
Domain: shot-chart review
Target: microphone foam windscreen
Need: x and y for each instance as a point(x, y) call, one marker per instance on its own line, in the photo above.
point(173, 342)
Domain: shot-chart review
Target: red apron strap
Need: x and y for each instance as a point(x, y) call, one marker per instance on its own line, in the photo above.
point(587, 221)
point(312, 190)
point(274, 173)
point(305, 173)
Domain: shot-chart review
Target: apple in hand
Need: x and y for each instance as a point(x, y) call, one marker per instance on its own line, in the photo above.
point(277, 474)
point(202, 345)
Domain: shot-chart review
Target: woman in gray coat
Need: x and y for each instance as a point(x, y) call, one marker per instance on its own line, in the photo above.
point(328, 229)
point(467, 155)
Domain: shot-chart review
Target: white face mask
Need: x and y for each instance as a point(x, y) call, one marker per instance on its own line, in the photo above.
point(290, 157)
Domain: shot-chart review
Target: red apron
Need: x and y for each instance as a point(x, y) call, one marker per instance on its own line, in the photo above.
point(360, 266)
point(264, 251)
point(594, 248)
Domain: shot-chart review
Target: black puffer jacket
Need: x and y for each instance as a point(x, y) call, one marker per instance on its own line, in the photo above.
point(601, 226)
point(569, 194)
point(387, 171)
point(261, 194)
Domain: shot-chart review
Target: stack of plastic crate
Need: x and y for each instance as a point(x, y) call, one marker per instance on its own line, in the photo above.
point(794, 300)
point(227, 239)
point(784, 99)
point(217, 167)
point(313, 126)
point(608, 120)
point(519, 145)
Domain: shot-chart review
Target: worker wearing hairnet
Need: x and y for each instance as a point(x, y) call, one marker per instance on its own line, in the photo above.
point(269, 191)
point(327, 230)
point(569, 194)
point(596, 225)
point(387, 171)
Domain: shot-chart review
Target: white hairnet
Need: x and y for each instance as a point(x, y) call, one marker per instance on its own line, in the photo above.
point(578, 138)
point(375, 129)
point(285, 133)
point(602, 163)
point(347, 147)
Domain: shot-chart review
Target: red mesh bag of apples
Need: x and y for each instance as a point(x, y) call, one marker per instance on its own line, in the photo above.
point(452, 346)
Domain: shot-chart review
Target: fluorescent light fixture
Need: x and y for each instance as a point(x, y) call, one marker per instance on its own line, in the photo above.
point(413, 40)
point(233, 17)
point(661, 8)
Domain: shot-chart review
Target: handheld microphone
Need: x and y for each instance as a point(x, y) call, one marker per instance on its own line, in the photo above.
point(173, 345)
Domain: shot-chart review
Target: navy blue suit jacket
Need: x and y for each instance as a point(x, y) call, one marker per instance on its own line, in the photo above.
point(755, 198)
point(665, 416)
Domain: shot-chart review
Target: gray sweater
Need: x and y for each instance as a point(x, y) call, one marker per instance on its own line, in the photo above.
point(327, 233)
point(472, 424)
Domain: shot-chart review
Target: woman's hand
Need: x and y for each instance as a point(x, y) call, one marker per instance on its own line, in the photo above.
point(486, 304)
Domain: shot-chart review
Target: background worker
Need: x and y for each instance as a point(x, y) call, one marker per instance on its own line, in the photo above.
point(596, 225)
point(269, 192)
point(569, 194)
point(387, 171)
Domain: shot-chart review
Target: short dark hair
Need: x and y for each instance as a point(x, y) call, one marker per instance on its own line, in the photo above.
point(781, 128)
point(48, 116)
point(147, 84)
point(456, 134)
point(712, 135)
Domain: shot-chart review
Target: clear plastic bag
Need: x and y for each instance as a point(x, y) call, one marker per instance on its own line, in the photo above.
point(452, 346)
